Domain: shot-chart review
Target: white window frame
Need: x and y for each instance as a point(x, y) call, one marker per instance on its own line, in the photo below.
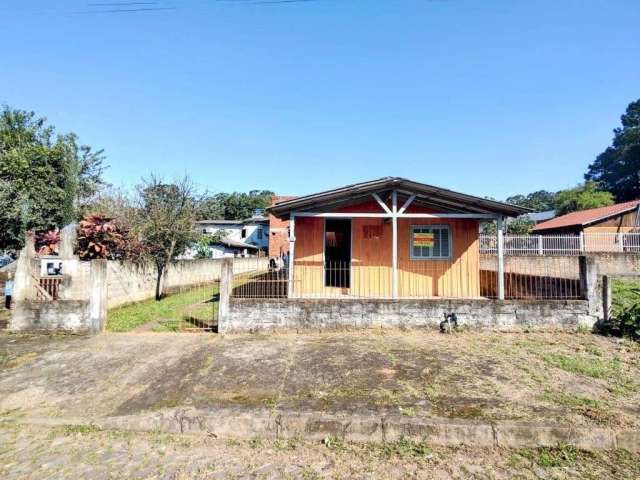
point(444, 226)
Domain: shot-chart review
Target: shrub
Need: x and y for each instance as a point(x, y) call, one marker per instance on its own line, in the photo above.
point(47, 242)
point(101, 237)
point(629, 320)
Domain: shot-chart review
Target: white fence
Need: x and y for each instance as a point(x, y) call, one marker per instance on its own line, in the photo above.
point(562, 244)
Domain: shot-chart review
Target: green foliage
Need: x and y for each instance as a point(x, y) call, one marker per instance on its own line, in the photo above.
point(626, 307)
point(101, 237)
point(518, 226)
point(165, 217)
point(590, 366)
point(199, 302)
point(538, 201)
point(45, 179)
point(561, 456)
point(582, 197)
point(233, 206)
point(405, 448)
point(616, 169)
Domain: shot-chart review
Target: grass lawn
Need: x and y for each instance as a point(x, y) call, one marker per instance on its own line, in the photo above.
point(624, 293)
point(191, 308)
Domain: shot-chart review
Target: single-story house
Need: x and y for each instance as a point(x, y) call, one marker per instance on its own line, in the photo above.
point(618, 218)
point(600, 229)
point(389, 238)
point(227, 247)
point(253, 231)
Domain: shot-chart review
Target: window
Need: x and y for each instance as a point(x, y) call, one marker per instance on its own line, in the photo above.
point(430, 241)
point(260, 233)
point(244, 233)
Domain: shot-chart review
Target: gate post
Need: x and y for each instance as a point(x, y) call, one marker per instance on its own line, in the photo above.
point(226, 287)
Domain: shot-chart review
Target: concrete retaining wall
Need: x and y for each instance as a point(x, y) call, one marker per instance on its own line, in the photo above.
point(127, 283)
point(69, 315)
point(612, 263)
point(249, 315)
point(362, 427)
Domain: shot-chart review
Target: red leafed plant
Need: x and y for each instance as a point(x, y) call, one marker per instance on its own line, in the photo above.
point(47, 242)
point(101, 237)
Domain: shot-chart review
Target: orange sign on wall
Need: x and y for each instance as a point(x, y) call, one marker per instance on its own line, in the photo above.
point(423, 239)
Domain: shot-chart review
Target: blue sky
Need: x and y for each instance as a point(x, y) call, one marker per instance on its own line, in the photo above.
point(486, 97)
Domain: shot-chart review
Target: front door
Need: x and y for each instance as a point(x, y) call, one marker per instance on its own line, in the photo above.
point(337, 253)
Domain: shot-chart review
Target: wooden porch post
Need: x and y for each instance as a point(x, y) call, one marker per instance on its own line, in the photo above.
point(500, 227)
point(394, 248)
point(292, 248)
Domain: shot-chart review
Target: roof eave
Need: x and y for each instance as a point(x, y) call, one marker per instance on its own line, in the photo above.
point(283, 209)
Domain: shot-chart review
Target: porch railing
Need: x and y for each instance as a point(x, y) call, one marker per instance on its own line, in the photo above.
point(562, 244)
point(525, 277)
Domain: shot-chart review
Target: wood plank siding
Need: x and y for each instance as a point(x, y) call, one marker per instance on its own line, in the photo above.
point(371, 247)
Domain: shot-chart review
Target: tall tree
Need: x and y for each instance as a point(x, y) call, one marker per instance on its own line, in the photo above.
point(165, 225)
point(45, 178)
point(582, 197)
point(538, 201)
point(233, 206)
point(617, 169)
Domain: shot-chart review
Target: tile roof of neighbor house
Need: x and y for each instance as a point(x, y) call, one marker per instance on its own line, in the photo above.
point(586, 217)
point(454, 201)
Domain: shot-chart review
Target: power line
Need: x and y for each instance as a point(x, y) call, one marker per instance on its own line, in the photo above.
point(152, 6)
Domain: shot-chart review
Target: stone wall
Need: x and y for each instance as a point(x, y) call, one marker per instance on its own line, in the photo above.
point(257, 314)
point(127, 283)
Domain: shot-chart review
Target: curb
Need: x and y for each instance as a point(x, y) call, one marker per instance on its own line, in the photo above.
point(263, 423)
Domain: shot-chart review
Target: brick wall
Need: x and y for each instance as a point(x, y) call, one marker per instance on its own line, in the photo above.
point(278, 230)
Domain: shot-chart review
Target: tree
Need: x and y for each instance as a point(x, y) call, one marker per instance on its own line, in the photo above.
point(45, 179)
point(233, 206)
point(538, 201)
point(582, 197)
point(617, 169)
point(165, 223)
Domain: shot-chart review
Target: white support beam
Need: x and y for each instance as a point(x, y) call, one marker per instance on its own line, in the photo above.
point(292, 252)
point(479, 216)
point(407, 203)
point(394, 249)
point(381, 203)
point(500, 225)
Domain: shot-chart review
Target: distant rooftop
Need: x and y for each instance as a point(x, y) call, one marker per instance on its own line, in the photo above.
point(586, 217)
point(233, 222)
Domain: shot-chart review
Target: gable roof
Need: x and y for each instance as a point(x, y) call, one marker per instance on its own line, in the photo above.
point(587, 217)
point(448, 200)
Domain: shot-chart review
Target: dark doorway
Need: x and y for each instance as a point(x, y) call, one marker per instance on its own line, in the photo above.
point(337, 253)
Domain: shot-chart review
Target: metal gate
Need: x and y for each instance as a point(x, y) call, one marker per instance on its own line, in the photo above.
point(193, 308)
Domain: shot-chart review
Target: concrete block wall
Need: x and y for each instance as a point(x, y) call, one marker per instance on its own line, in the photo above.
point(127, 283)
point(250, 315)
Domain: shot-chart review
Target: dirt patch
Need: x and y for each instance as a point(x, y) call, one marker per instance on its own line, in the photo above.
point(560, 378)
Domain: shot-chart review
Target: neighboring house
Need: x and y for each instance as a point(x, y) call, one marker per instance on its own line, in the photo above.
point(600, 229)
point(231, 248)
point(251, 231)
point(539, 217)
point(619, 218)
point(388, 238)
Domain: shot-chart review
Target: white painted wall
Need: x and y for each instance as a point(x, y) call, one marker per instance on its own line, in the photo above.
point(235, 232)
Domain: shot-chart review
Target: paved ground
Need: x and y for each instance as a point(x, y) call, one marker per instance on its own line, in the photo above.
point(73, 453)
point(577, 379)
